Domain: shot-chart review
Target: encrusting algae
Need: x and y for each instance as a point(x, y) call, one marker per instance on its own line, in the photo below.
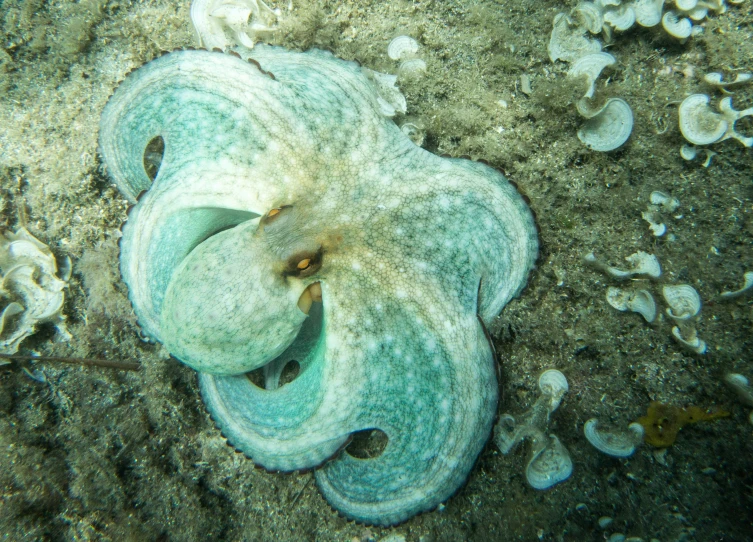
point(662, 422)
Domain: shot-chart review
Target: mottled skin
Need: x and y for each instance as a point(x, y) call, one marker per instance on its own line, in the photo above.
point(412, 252)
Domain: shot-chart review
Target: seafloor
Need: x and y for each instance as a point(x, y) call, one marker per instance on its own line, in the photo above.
point(101, 454)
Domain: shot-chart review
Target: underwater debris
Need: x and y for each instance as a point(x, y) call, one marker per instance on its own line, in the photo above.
point(684, 306)
point(614, 442)
point(688, 337)
point(677, 26)
point(640, 301)
point(663, 422)
point(568, 41)
point(690, 152)
point(30, 286)
point(589, 67)
point(659, 203)
point(701, 125)
point(741, 386)
point(641, 263)
point(747, 287)
point(656, 227)
point(549, 462)
point(224, 23)
point(415, 132)
point(715, 79)
point(683, 300)
point(663, 201)
point(91, 362)
point(391, 99)
point(411, 68)
point(402, 48)
point(571, 41)
point(608, 125)
point(405, 50)
point(606, 128)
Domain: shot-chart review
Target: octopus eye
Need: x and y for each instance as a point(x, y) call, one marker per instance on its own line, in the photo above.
point(274, 214)
point(303, 264)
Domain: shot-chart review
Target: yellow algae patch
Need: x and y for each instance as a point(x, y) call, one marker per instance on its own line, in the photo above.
point(663, 422)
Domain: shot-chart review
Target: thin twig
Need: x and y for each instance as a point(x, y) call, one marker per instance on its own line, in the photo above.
point(125, 365)
point(295, 500)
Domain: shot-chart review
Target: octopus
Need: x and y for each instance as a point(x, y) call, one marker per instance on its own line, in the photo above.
point(281, 222)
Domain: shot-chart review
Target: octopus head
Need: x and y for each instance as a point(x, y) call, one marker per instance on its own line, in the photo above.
point(239, 298)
